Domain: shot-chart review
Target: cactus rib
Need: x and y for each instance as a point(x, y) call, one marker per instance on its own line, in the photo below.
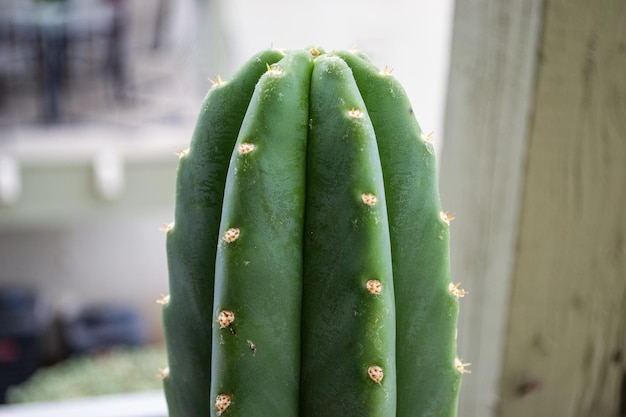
point(259, 273)
point(426, 310)
point(192, 239)
point(347, 244)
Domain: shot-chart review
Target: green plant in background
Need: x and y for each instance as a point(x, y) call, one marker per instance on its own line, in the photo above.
point(120, 371)
point(309, 257)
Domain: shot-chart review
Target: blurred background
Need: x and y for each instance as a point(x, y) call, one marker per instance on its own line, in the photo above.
point(96, 97)
point(527, 102)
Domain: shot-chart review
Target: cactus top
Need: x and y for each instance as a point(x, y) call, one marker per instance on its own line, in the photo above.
point(308, 260)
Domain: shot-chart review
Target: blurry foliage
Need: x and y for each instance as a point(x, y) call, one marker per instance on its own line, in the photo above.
point(118, 371)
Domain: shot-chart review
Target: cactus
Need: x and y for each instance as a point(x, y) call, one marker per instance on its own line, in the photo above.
point(309, 259)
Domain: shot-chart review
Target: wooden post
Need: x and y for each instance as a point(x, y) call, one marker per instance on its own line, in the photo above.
point(488, 107)
point(534, 165)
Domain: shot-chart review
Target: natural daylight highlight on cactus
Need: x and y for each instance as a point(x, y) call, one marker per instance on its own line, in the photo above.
point(309, 256)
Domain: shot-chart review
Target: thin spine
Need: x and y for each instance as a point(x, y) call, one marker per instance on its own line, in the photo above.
point(428, 380)
point(348, 327)
point(256, 325)
point(192, 239)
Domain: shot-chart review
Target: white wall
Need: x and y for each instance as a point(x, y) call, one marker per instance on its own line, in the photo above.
point(107, 259)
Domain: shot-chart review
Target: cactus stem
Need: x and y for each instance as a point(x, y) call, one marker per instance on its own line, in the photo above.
point(246, 148)
point(350, 205)
point(461, 366)
point(225, 318)
point(374, 286)
point(355, 113)
point(446, 217)
point(166, 227)
point(369, 199)
point(222, 402)
point(376, 373)
point(164, 300)
point(456, 291)
point(231, 235)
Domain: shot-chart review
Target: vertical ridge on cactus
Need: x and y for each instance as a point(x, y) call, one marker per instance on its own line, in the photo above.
point(426, 312)
point(346, 244)
point(308, 260)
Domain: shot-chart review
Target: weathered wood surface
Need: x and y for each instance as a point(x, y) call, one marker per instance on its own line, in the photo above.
point(566, 343)
point(534, 167)
point(488, 107)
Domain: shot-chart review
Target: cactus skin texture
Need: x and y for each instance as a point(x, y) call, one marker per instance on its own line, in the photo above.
point(309, 257)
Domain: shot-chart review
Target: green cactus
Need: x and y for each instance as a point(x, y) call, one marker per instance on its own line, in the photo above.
point(309, 260)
